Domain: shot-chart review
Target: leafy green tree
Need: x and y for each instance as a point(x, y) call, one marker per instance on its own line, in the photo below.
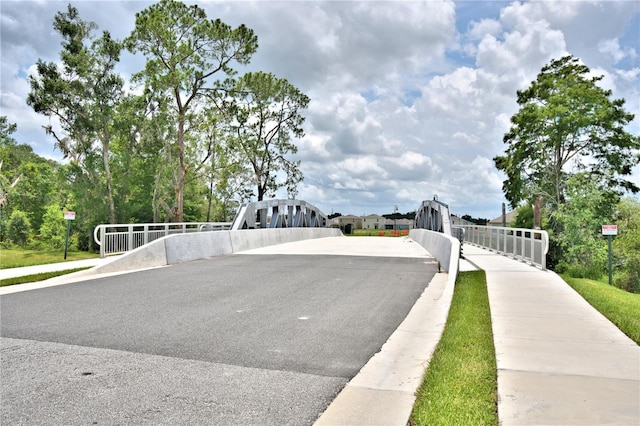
point(8, 177)
point(567, 124)
point(27, 181)
point(626, 245)
point(82, 95)
point(81, 194)
point(475, 220)
point(54, 229)
point(137, 153)
point(18, 228)
point(524, 217)
point(581, 218)
point(265, 113)
point(6, 130)
point(36, 189)
point(184, 52)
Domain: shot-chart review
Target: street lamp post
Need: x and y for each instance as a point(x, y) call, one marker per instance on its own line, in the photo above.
point(395, 218)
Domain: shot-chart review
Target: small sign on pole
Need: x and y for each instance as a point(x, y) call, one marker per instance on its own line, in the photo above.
point(68, 216)
point(610, 231)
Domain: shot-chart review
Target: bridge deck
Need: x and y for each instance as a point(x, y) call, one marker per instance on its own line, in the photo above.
point(349, 246)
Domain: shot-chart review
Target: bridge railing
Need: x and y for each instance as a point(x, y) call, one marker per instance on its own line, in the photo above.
point(120, 238)
point(528, 245)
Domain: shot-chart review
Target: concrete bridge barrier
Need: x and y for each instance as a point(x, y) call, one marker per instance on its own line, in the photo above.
point(179, 248)
point(249, 239)
point(445, 248)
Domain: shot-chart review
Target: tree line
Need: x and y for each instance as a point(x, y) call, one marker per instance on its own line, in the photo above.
point(185, 139)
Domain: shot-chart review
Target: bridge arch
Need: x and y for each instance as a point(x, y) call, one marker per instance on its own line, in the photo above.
point(279, 213)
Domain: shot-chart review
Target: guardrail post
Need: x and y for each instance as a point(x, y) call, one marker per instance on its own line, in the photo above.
point(102, 243)
point(129, 237)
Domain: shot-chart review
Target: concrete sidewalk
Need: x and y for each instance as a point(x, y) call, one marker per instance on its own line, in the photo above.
point(51, 267)
point(560, 362)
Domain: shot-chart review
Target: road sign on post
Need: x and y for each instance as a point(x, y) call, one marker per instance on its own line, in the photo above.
point(68, 216)
point(610, 231)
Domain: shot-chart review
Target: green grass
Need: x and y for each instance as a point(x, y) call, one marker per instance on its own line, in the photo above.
point(37, 277)
point(620, 307)
point(460, 384)
point(15, 258)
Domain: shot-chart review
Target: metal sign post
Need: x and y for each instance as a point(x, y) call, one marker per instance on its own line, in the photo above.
point(68, 216)
point(610, 231)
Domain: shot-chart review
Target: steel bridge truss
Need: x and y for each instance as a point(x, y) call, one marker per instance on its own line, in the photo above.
point(278, 214)
point(434, 216)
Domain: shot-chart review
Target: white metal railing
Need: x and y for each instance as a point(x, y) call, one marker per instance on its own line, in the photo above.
point(529, 245)
point(120, 238)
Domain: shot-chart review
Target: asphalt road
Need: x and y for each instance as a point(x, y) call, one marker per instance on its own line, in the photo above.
point(242, 339)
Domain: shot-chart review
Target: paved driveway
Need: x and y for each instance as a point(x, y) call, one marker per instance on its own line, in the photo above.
point(240, 339)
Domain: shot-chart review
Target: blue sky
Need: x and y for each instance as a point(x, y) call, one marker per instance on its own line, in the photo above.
point(408, 99)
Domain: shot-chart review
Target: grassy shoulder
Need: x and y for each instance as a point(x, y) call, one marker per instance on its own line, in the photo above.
point(460, 384)
point(16, 258)
point(620, 307)
point(37, 277)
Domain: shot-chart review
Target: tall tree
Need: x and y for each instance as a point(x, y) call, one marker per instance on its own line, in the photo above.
point(137, 153)
point(185, 51)
point(8, 180)
point(266, 112)
point(27, 181)
point(586, 209)
point(626, 246)
point(567, 124)
point(82, 94)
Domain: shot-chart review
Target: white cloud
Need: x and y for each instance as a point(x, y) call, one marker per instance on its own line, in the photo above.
point(483, 28)
point(629, 75)
point(612, 47)
point(411, 160)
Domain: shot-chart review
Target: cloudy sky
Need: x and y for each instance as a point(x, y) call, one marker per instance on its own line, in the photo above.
point(408, 99)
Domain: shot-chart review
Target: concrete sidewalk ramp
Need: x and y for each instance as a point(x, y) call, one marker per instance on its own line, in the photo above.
point(560, 362)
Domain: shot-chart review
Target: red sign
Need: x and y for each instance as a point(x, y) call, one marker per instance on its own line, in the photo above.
point(69, 215)
point(609, 229)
